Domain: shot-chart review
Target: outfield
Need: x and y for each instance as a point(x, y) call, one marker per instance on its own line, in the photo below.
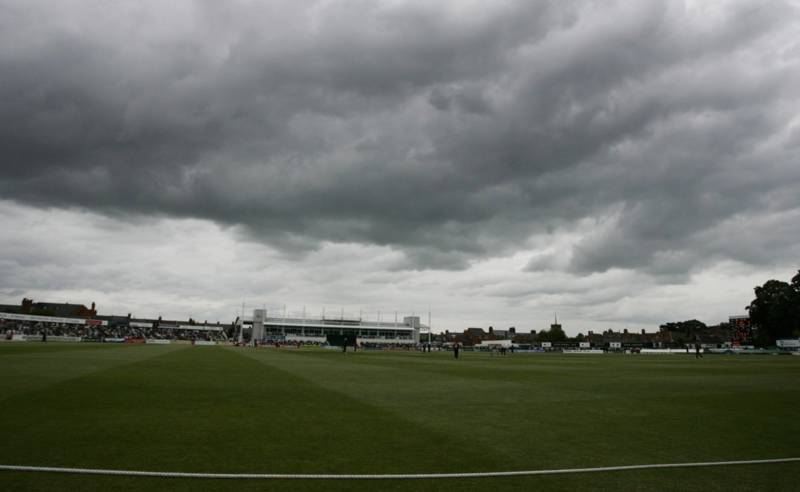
point(224, 409)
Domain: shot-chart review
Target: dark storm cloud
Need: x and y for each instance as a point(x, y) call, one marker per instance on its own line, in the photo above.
point(447, 131)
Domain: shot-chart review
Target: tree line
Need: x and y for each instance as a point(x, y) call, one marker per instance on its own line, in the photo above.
point(775, 312)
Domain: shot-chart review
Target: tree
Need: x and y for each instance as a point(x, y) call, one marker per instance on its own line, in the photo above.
point(775, 312)
point(690, 327)
point(557, 333)
point(554, 334)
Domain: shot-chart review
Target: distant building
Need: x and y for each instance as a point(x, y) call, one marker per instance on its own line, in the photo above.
point(505, 334)
point(55, 309)
point(10, 308)
point(473, 336)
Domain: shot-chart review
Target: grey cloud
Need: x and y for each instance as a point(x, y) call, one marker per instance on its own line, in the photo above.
point(450, 136)
point(13, 293)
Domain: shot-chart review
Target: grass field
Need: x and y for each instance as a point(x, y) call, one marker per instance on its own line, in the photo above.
point(222, 409)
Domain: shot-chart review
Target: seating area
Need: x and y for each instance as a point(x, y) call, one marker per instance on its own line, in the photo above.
point(99, 333)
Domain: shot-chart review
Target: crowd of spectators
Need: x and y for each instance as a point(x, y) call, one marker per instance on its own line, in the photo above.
point(100, 333)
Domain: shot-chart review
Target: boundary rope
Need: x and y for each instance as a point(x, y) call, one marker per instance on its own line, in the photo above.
point(389, 476)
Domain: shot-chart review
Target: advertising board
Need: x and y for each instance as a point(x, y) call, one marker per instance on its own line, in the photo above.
point(157, 341)
point(62, 338)
point(42, 319)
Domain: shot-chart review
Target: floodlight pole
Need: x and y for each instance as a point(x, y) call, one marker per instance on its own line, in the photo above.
point(241, 326)
point(429, 326)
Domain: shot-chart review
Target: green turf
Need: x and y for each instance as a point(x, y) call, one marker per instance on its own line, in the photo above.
point(219, 409)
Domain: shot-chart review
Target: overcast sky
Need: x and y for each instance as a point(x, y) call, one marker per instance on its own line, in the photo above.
point(621, 163)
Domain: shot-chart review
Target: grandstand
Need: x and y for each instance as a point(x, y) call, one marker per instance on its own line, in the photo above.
point(263, 327)
point(30, 327)
point(177, 330)
point(36, 321)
